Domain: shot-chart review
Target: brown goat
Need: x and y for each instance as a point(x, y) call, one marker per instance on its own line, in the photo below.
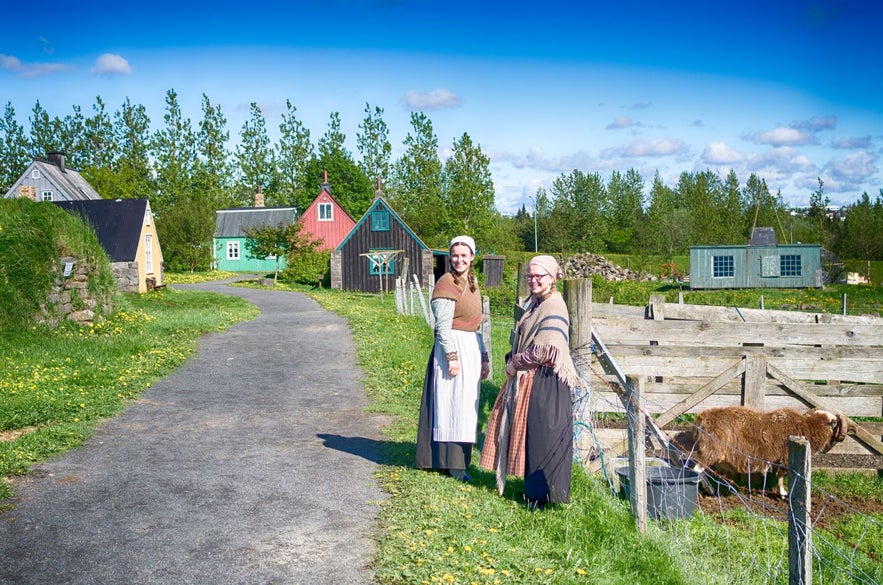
point(736, 439)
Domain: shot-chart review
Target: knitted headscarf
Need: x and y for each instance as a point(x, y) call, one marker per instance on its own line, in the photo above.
point(548, 264)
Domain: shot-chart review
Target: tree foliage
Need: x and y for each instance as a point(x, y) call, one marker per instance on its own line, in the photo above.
point(277, 241)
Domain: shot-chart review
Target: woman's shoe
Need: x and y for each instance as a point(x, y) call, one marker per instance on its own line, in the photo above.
point(460, 474)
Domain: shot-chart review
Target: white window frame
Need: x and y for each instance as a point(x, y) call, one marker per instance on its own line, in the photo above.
point(46, 195)
point(233, 250)
point(148, 253)
point(35, 174)
point(328, 209)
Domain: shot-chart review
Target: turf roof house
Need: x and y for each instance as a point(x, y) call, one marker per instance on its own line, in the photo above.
point(381, 230)
point(126, 230)
point(50, 180)
point(230, 252)
point(324, 219)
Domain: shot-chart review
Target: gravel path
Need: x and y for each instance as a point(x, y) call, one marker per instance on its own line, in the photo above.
point(252, 463)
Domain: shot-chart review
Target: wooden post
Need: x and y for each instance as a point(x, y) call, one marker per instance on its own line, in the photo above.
point(486, 330)
point(578, 296)
point(843, 304)
point(761, 302)
point(754, 381)
point(799, 521)
point(680, 297)
point(657, 307)
point(637, 454)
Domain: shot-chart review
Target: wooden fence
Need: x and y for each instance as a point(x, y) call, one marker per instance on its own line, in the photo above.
point(692, 357)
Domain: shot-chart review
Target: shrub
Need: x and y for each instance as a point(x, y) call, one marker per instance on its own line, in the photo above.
point(307, 267)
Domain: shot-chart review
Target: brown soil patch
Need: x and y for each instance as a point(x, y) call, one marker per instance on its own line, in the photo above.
point(6, 436)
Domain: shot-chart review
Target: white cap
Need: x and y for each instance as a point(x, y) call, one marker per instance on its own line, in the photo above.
point(466, 241)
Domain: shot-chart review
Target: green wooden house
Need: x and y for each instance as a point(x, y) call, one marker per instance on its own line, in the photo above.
point(763, 263)
point(230, 251)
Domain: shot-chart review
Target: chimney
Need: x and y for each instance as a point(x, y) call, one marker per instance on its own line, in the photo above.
point(379, 191)
point(326, 186)
point(259, 198)
point(56, 158)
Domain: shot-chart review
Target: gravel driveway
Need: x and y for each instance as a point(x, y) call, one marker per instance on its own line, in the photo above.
point(252, 463)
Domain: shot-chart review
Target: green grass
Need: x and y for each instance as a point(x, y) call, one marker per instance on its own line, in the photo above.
point(436, 530)
point(57, 385)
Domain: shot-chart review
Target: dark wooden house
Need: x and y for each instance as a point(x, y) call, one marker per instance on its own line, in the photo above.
point(381, 233)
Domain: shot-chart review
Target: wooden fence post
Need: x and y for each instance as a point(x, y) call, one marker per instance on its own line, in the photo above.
point(486, 333)
point(578, 296)
point(637, 453)
point(799, 524)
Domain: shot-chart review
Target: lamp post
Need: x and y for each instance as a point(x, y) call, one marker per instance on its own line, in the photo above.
point(534, 199)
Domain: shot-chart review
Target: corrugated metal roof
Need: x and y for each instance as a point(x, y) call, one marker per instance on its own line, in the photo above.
point(230, 222)
point(117, 223)
point(69, 183)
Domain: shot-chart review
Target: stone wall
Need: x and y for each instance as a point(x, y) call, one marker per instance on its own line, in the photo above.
point(126, 274)
point(70, 297)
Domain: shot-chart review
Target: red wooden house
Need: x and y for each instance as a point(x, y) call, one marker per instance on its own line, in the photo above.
point(326, 220)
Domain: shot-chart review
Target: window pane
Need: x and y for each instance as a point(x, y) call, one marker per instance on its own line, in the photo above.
point(722, 266)
point(790, 265)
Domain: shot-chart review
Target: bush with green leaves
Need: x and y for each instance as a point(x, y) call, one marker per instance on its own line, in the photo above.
point(308, 267)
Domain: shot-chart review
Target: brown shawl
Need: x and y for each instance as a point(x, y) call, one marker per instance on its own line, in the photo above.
point(467, 307)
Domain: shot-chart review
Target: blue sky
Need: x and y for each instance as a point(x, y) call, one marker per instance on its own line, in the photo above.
point(790, 90)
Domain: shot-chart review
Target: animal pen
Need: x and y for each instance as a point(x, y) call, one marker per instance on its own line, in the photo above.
point(662, 361)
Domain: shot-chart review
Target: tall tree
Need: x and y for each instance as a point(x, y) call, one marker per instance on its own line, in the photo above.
point(72, 138)
point(213, 174)
point(579, 201)
point(134, 172)
point(416, 185)
point(863, 231)
point(468, 191)
point(14, 157)
point(255, 158)
point(374, 145)
point(101, 149)
point(349, 185)
point(295, 151)
point(174, 148)
point(818, 214)
point(626, 210)
point(44, 132)
point(667, 220)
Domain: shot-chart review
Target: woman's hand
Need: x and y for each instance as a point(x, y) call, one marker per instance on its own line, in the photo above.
point(453, 368)
point(485, 370)
point(510, 369)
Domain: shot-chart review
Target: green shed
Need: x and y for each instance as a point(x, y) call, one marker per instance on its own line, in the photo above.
point(230, 251)
point(761, 264)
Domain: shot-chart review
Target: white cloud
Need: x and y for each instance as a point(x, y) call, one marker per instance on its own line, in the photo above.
point(655, 147)
point(854, 168)
point(784, 136)
point(111, 64)
point(30, 70)
point(620, 122)
point(850, 143)
point(437, 99)
point(719, 153)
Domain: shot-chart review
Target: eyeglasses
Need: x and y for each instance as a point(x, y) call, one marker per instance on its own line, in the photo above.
point(537, 277)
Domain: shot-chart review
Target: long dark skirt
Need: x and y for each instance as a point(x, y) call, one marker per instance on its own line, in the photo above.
point(434, 454)
point(549, 440)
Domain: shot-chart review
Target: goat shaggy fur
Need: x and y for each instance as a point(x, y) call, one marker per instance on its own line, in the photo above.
point(737, 439)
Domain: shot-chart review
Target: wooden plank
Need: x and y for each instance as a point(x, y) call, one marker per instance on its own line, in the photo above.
point(732, 314)
point(618, 329)
point(754, 381)
point(691, 401)
point(861, 434)
point(638, 348)
point(802, 369)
